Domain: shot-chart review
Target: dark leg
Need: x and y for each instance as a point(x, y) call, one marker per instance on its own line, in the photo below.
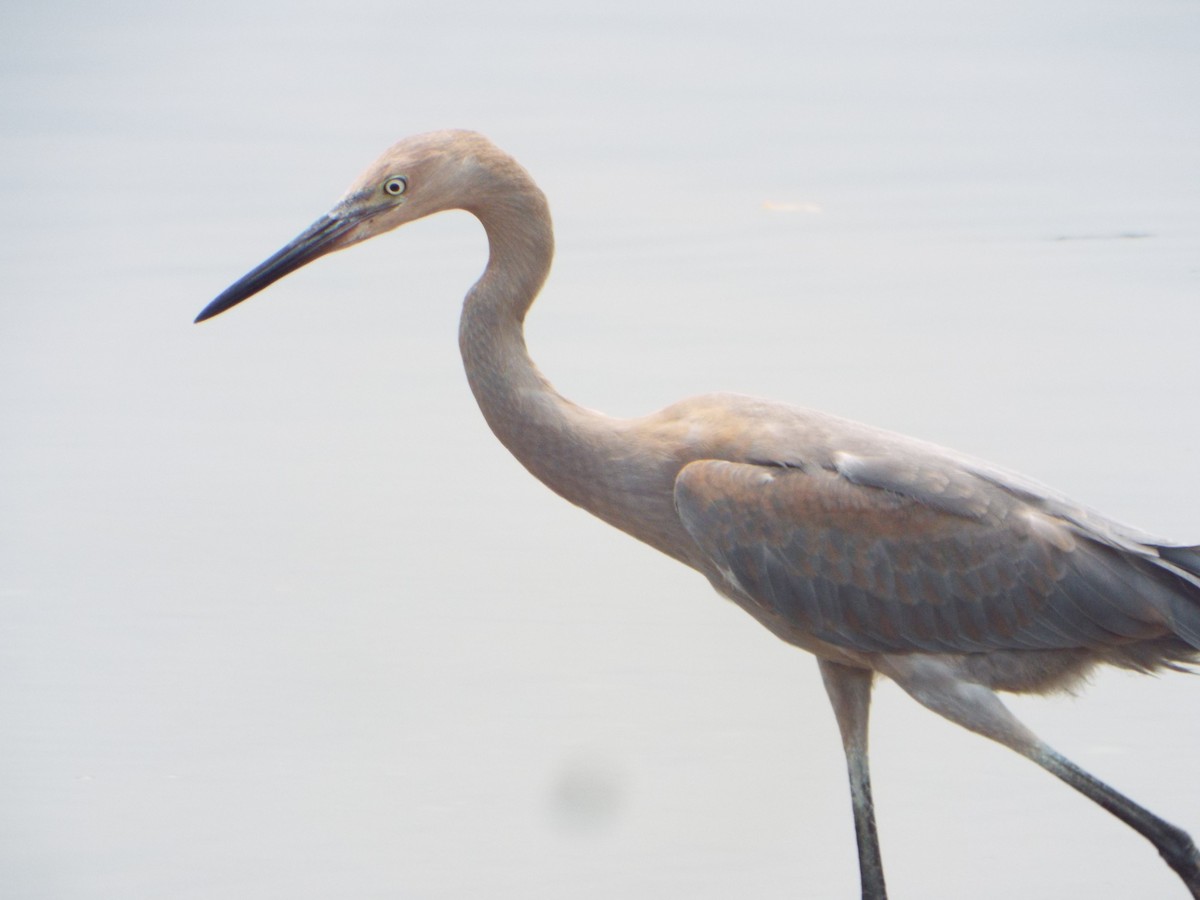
point(850, 693)
point(973, 706)
point(1173, 844)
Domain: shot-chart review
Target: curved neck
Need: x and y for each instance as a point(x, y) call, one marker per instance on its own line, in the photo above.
point(507, 385)
point(596, 462)
point(552, 437)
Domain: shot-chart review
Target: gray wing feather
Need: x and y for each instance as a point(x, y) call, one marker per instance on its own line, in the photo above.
point(896, 556)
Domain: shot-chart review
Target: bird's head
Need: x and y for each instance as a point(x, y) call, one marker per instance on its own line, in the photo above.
point(416, 177)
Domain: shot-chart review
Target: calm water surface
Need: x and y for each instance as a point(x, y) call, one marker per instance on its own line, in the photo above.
point(279, 617)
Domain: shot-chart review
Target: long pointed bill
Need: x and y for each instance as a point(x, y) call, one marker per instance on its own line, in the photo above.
point(323, 236)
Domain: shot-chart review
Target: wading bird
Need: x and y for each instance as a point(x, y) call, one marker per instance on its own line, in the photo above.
point(877, 553)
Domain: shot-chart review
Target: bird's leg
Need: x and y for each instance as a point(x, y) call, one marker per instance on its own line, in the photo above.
point(850, 693)
point(932, 683)
point(1174, 844)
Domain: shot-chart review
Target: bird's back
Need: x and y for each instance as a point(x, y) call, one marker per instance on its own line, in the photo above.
point(837, 534)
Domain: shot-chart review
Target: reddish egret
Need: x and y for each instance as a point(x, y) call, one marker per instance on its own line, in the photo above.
point(877, 553)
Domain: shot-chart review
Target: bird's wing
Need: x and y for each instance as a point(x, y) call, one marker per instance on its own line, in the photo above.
point(913, 554)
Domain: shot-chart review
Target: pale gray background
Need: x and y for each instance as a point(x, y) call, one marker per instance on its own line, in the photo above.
point(280, 619)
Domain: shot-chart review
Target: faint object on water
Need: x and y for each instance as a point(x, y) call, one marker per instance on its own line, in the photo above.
point(1118, 236)
point(878, 553)
point(587, 795)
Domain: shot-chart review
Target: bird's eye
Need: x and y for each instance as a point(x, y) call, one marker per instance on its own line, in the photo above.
point(396, 185)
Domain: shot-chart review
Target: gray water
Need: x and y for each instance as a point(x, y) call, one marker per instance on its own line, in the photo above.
point(279, 617)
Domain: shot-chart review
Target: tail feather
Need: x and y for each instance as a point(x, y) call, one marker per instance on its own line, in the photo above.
point(1185, 603)
point(1168, 653)
point(1187, 558)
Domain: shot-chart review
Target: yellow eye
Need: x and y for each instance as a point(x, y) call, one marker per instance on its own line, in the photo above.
point(395, 186)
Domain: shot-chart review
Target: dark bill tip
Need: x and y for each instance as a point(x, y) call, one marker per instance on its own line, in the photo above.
point(320, 238)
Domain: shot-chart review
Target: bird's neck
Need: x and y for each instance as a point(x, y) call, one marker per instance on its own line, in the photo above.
point(573, 450)
point(518, 402)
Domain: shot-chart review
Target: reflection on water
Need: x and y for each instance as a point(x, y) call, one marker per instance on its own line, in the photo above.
point(280, 618)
